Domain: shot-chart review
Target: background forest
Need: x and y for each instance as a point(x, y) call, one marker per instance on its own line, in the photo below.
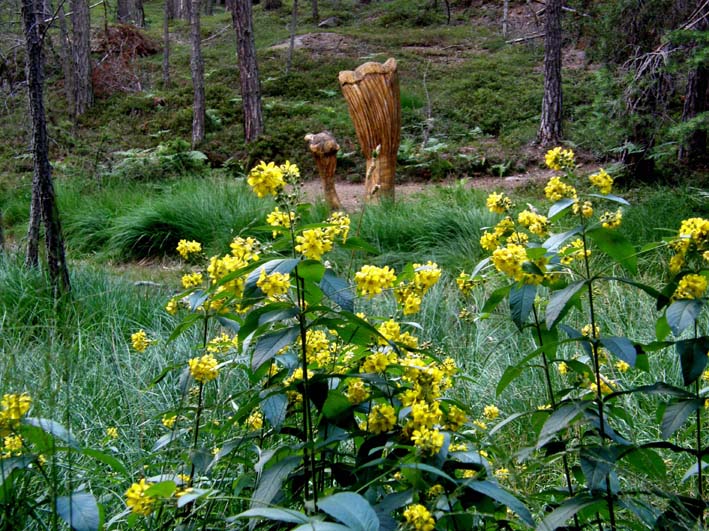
point(191, 339)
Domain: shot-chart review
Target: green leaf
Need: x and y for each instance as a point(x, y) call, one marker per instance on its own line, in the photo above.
point(282, 265)
point(109, 460)
point(337, 290)
point(495, 298)
point(80, 511)
point(596, 464)
point(662, 328)
point(352, 510)
point(201, 458)
point(185, 324)
point(693, 471)
point(616, 246)
point(270, 313)
point(268, 345)
point(693, 357)
point(271, 480)
point(683, 313)
point(52, 428)
point(274, 408)
point(163, 489)
point(275, 513)
point(318, 525)
point(561, 301)
point(168, 438)
point(557, 240)
point(566, 511)
point(8, 466)
point(494, 491)
point(358, 244)
point(676, 414)
point(192, 495)
point(560, 206)
point(621, 347)
point(335, 405)
point(427, 468)
point(644, 287)
point(611, 197)
point(311, 270)
point(646, 461)
point(559, 420)
point(521, 302)
point(510, 374)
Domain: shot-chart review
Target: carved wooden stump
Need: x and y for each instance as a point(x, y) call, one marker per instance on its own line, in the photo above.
point(324, 148)
point(372, 94)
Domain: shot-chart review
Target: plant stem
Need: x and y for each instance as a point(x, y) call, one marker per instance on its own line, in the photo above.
point(597, 372)
point(698, 429)
point(198, 416)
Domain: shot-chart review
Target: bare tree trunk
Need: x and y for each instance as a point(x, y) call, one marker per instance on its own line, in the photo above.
point(32, 257)
point(66, 55)
point(123, 9)
point(550, 127)
point(505, 14)
point(291, 45)
point(138, 13)
point(316, 11)
point(242, 18)
point(42, 186)
point(166, 43)
point(209, 8)
point(197, 70)
point(81, 47)
point(695, 103)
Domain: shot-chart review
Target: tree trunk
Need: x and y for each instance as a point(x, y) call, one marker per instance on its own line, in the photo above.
point(123, 9)
point(695, 103)
point(66, 55)
point(209, 8)
point(197, 70)
point(166, 43)
point(271, 4)
point(81, 47)
point(550, 128)
point(42, 186)
point(32, 257)
point(316, 11)
point(505, 14)
point(138, 13)
point(242, 18)
point(293, 27)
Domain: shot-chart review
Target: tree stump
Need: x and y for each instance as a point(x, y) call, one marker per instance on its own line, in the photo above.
point(324, 148)
point(372, 94)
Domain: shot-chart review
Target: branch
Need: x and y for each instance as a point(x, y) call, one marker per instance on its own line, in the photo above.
point(527, 38)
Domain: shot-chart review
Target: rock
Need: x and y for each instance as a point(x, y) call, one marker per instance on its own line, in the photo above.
point(330, 22)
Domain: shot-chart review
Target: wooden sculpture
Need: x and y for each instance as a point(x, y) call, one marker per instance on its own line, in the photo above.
point(372, 94)
point(324, 148)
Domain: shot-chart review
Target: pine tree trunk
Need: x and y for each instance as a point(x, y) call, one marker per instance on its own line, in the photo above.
point(81, 47)
point(42, 186)
point(242, 18)
point(316, 11)
point(291, 44)
point(66, 54)
point(695, 102)
point(197, 70)
point(166, 43)
point(209, 8)
point(138, 13)
point(123, 11)
point(32, 256)
point(550, 127)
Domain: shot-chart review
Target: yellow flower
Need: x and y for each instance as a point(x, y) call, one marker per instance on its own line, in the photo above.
point(204, 369)
point(290, 170)
point(536, 223)
point(112, 433)
point(171, 306)
point(266, 179)
point(560, 159)
point(12, 445)
point(14, 406)
point(509, 260)
point(622, 366)
point(273, 285)
point(489, 241)
point(435, 490)
point(455, 418)
point(556, 190)
point(458, 447)
point(313, 243)
point(245, 250)
point(465, 283)
point(602, 181)
point(480, 424)
point(563, 368)
point(429, 441)
point(222, 343)
point(612, 220)
point(690, 287)
point(186, 248)
point(381, 418)
point(408, 297)
point(192, 280)
point(491, 412)
point(502, 473)
point(339, 226)
point(591, 331)
point(136, 499)
point(498, 203)
point(255, 421)
point(169, 421)
point(139, 341)
point(418, 518)
point(391, 330)
point(425, 276)
point(378, 362)
point(357, 391)
point(372, 280)
point(280, 219)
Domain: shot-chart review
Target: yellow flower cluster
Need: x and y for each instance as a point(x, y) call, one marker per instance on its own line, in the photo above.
point(204, 369)
point(465, 283)
point(491, 240)
point(498, 203)
point(245, 249)
point(573, 251)
point(612, 220)
point(357, 391)
point(556, 189)
point(139, 341)
point(13, 407)
point(280, 219)
point(692, 241)
point(313, 243)
point(222, 343)
point(418, 518)
point(339, 226)
point(508, 260)
point(255, 421)
point(318, 349)
point(378, 362)
point(137, 501)
point(536, 223)
point(112, 432)
point(559, 159)
point(602, 181)
point(267, 179)
point(169, 421)
point(381, 418)
point(409, 295)
point(427, 440)
point(372, 280)
point(690, 286)
point(274, 285)
point(191, 280)
point(186, 248)
point(491, 412)
point(11, 446)
point(585, 208)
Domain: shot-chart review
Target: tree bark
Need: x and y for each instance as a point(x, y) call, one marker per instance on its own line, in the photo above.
point(197, 70)
point(550, 127)
point(291, 44)
point(242, 19)
point(81, 47)
point(66, 55)
point(138, 13)
point(166, 43)
point(324, 148)
point(316, 11)
point(42, 187)
point(123, 11)
point(695, 103)
point(272, 4)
